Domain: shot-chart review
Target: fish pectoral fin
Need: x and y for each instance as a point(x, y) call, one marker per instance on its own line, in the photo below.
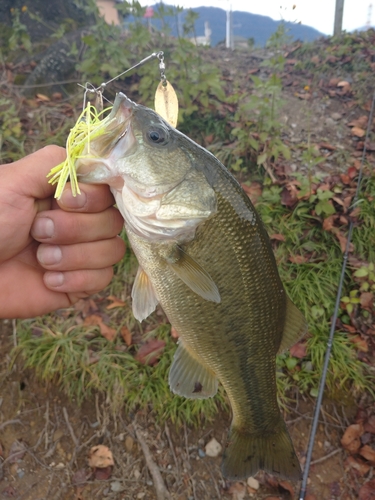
point(143, 295)
point(195, 277)
point(189, 377)
point(295, 327)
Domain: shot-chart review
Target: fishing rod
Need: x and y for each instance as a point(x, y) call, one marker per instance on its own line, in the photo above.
point(334, 319)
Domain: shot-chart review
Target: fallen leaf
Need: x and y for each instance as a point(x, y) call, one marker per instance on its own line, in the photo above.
point(368, 453)
point(150, 352)
point(107, 332)
point(359, 343)
point(254, 191)
point(360, 122)
point(104, 473)
point(345, 179)
point(344, 87)
point(306, 97)
point(278, 237)
point(367, 492)
point(351, 438)
point(289, 195)
point(42, 97)
point(126, 335)
point(81, 476)
point(333, 81)
point(358, 465)
point(116, 302)
point(286, 485)
point(343, 241)
point(328, 222)
point(298, 351)
point(238, 491)
point(9, 492)
point(367, 300)
point(100, 456)
point(358, 132)
point(298, 259)
point(369, 425)
point(327, 145)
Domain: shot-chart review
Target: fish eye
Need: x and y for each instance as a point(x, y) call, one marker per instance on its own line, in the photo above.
point(157, 136)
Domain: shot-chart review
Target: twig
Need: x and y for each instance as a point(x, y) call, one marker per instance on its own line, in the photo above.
point(326, 457)
point(10, 422)
point(168, 434)
point(75, 440)
point(160, 489)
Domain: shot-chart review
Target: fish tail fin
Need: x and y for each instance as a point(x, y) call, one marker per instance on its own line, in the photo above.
point(246, 453)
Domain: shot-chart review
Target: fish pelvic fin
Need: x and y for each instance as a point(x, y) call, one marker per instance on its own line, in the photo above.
point(195, 277)
point(295, 327)
point(189, 377)
point(246, 453)
point(144, 300)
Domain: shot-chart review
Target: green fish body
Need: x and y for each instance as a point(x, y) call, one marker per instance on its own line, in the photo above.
point(205, 256)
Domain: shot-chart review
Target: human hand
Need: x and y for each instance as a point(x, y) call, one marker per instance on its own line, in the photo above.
point(52, 253)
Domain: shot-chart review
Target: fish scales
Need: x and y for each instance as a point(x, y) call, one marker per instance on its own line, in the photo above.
point(216, 278)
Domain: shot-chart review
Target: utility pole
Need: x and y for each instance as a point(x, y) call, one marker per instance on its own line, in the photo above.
point(339, 12)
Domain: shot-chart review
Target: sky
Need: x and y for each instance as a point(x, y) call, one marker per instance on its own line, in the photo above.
point(316, 13)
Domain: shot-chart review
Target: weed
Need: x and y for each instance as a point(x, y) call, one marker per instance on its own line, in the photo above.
point(80, 361)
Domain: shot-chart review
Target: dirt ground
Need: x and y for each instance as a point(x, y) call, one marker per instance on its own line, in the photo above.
point(45, 439)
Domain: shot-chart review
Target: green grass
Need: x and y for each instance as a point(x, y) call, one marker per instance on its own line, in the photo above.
point(81, 362)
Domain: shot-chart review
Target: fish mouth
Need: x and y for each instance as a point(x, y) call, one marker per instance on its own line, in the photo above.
point(117, 141)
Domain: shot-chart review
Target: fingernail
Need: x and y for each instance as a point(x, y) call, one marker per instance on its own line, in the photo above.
point(70, 201)
point(54, 279)
point(43, 227)
point(48, 255)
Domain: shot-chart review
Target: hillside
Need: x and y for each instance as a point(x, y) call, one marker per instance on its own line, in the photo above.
point(246, 25)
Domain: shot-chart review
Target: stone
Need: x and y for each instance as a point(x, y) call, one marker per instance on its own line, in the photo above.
point(213, 448)
point(253, 483)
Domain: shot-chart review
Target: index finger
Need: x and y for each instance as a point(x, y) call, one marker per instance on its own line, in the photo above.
point(93, 198)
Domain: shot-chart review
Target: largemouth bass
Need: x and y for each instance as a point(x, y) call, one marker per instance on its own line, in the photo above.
point(205, 256)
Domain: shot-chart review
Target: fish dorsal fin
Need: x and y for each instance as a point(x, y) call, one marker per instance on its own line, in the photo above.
point(195, 277)
point(143, 295)
point(189, 378)
point(295, 327)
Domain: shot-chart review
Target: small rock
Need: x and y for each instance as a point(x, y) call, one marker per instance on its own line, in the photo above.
point(129, 442)
point(116, 486)
point(253, 483)
point(60, 465)
point(201, 453)
point(141, 495)
point(20, 473)
point(136, 473)
point(329, 122)
point(336, 116)
point(213, 448)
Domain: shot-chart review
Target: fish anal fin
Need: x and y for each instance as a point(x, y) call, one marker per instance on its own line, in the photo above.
point(273, 452)
point(189, 377)
point(195, 277)
point(144, 299)
point(295, 327)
